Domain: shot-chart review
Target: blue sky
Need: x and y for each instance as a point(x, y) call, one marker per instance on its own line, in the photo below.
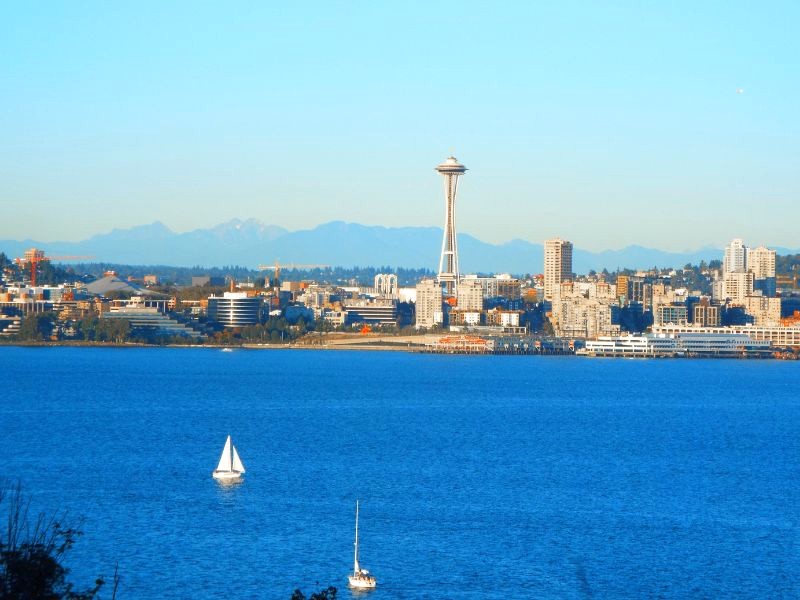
point(604, 123)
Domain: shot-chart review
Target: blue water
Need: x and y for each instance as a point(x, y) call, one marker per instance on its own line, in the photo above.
point(479, 477)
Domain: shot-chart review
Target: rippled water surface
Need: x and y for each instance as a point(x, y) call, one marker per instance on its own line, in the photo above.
point(479, 477)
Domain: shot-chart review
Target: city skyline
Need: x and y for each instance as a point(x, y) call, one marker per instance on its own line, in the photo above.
point(118, 116)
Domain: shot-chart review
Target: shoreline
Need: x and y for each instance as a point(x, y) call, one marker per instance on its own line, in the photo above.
point(350, 345)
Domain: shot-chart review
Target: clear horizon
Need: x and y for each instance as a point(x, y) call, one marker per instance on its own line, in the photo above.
point(671, 127)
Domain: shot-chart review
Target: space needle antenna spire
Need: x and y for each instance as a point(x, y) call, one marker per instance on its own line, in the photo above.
point(450, 170)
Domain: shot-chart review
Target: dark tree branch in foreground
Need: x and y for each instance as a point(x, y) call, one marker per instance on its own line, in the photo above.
point(329, 594)
point(32, 553)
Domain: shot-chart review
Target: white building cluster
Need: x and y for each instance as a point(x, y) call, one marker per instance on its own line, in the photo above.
point(748, 281)
point(472, 308)
point(584, 310)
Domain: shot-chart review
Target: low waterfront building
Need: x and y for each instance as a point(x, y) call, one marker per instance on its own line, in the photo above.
point(678, 344)
point(9, 325)
point(371, 312)
point(783, 337)
point(460, 344)
point(630, 345)
point(144, 319)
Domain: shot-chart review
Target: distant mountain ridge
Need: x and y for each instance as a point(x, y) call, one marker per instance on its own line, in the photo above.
point(250, 243)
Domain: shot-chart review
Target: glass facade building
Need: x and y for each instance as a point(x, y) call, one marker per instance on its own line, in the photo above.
point(235, 309)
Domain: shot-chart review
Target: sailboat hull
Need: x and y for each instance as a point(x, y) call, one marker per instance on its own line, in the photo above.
point(226, 475)
point(362, 582)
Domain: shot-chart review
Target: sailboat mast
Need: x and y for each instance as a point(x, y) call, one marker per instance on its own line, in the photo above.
point(355, 557)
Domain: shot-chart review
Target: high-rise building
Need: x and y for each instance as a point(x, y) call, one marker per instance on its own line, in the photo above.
point(735, 260)
point(622, 286)
point(745, 270)
point(737, 286)
point(761, 263)
point(429, 304)
point(470, 295)
point(557, 265)
point(450, 170)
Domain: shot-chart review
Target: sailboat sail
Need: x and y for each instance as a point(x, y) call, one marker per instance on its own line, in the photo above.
point(237, 462)
point(225, 459)
point(356, 568)
point(360, 578)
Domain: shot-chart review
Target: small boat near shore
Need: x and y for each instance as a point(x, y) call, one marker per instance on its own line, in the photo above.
point(230, 468)
point(360, 578)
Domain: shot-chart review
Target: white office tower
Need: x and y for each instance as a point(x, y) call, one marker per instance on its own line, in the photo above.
point(761, 262)
point(557, 265)
point(735, 257)
point(450, 170)
point(737, 286)
point(429, 304)
point(470, 295)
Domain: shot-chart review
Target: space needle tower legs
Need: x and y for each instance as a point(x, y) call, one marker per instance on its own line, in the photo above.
point(450, 170)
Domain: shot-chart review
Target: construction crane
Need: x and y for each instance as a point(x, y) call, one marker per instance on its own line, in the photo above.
point(34, 256)
point(287, 267)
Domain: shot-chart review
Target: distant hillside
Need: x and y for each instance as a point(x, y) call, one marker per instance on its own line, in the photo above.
point(249, 243)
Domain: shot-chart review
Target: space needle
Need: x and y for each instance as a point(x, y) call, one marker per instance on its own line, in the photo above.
point(450, 170)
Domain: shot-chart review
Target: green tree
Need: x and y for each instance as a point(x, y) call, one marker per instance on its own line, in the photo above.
point(87, 328)
point(113, 330)
point(36, 327)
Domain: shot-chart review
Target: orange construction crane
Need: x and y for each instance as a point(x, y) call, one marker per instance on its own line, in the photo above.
point(34, 256)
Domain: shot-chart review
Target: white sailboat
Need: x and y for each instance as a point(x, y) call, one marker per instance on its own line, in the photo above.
point(230, 467)
point(360, 578)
